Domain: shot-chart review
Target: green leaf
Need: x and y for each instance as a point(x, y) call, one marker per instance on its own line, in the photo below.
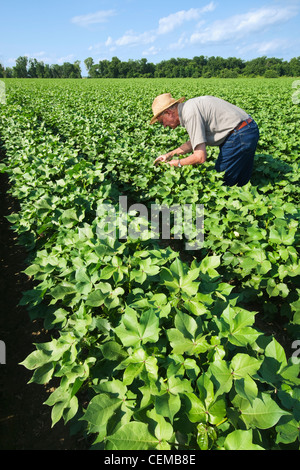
point(195, 306)
point(238, 331)
point(69, 218)
point(221, 376)
point(277, 289)
point(133, 331)
point(191, 347)
point(281, 234)
point(186, 325)
point(47, 352)
point(243, 365)
point(180, 279)
point(70, 410)
point(196, 410)
point(82, 276)
point(113, 387)
point(163, 429)
point(95, 298)
point(213, 407)
point(112, 351)
point(57, 412)
point(288, 430)
point(241, 440)
point(36, 359)
point(101, 408)
point(274, 361)
point(136, 364)
point(132, 436)
point(167, 405)
point(62, 290)
point(43, 374)
point(246, 387)
point(149, 327)
point(206, 436)
point(208, 265)
point(262, 413)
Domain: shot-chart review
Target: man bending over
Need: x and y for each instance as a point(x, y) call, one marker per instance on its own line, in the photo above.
point(210, 121)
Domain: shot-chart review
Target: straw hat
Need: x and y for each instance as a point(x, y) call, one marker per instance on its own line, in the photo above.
point(161, 103)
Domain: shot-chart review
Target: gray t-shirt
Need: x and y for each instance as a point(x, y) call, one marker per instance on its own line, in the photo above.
point(209, 120)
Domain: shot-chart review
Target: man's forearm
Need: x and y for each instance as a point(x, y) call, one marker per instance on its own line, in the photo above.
point(182, 150)
point(198, 157)
point(194, 159)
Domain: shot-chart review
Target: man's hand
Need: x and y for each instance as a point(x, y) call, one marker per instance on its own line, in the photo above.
point(198, 157)
point(173, 162)
point(161, 159)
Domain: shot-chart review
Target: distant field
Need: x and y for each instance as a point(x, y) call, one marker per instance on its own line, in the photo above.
point(157, 347)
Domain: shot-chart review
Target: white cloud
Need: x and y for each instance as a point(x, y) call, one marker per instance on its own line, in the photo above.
point(169, 23)
point(130, 38)
point(165, 26)
point(239, 26)
point(109, 41)
point(180, 44)
point(151, 51)
point(265, 47)
point(93, 18)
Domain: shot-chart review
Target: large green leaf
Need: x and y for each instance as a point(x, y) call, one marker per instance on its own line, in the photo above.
point(132, 436)
point(243, 365)
point(179, 278)
point(133, 330)
point(262, 413)
point(241, 440)
point(101, 408)
point(167, 405)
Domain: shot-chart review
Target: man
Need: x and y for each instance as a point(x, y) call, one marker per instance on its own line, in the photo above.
point(210, 121)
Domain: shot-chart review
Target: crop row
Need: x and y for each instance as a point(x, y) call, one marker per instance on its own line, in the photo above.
point(255, 231)
point(154, 340)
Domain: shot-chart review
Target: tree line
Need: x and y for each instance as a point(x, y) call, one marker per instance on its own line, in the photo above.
point(197, 67)
point(32, 68)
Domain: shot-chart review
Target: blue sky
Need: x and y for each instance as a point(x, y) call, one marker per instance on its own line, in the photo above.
point(69, 30)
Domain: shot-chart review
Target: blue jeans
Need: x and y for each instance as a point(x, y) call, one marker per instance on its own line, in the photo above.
point(236, 155)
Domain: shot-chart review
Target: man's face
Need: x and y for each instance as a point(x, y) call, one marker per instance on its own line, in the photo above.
point(169, 118)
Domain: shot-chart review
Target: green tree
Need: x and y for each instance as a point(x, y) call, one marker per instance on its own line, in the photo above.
point(294, 67)
point(89, 62)
point(256, 66)
point(40, 69)
point(271, 73)
point(114, 67)
point(20, 69)
point(32, 69)
point(47, 71)
point(76, 69)
point(56, 71)
point(8, 72)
